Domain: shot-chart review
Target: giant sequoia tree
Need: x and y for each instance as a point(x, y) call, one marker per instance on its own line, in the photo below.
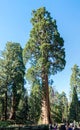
point(46, 54)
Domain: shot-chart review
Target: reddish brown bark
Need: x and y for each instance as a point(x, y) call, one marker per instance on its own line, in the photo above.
point(45, 115)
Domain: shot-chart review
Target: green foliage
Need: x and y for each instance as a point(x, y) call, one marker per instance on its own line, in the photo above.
point(59, 107)
point(35, 104)
point(6, 123)
point(22, 112)
point(74, 107)
point(45, 46)
point(75, 80)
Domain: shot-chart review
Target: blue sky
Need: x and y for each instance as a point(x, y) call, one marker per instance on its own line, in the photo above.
point(15, 26)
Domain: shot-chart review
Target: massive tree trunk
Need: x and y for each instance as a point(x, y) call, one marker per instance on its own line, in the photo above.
point(45, 115)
